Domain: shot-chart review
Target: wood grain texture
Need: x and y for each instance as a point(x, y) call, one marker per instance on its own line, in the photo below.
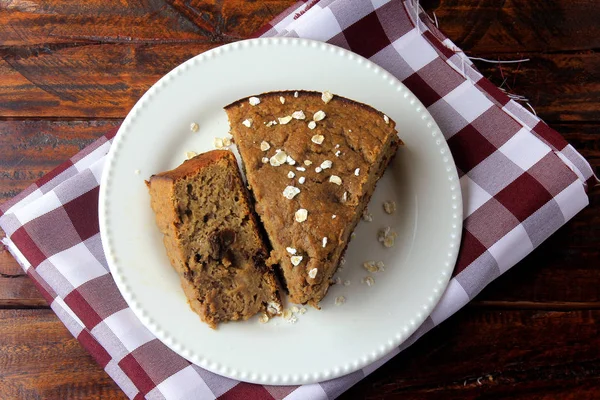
point(516, 354)
point(41, 360)
point(87, 81)
point(29, 149)
point(518, 26)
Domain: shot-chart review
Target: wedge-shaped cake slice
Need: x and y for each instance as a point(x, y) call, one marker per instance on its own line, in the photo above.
point(212, 239)
point(312, 161)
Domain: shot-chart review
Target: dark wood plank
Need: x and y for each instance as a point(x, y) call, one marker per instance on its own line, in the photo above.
point(40, 359)
point(31, 148)
point(481, 26)
point(496, 354)
point(518, 26)
point(38, 25)
point(52, 66)
point(105, 81)
point(560, 87)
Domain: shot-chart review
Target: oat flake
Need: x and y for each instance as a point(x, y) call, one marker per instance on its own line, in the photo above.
point(319, 116)
point(389, 207)
point(301, 180)
point(290, 250)
point(312, 125)
point(318, 139)
point(282, 99)
point(298, 115)
point(264, 318)
point(279, 158)
point(247, 122)
point(368, 280)
point(296, 260)
point(291, 174)
point(326, 96)
point(190, 154)
point(284, 120)
point(254, 101)
point(290, 192)
point(264, 146)
point(340, 300)
point(335, 179)
point(301, 215)
point(326, 164)
point(313, 273)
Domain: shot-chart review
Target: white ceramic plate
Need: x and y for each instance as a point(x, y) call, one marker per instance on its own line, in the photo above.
point(322, 344)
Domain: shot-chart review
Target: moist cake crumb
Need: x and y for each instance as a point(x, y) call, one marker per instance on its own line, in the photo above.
point(205, 238)
point(367, 216)
point(387, 236)
point(340, 300)
point(194, 127)
point(389, 207)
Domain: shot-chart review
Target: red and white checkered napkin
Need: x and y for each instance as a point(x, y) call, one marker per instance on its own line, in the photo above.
point(520, 182)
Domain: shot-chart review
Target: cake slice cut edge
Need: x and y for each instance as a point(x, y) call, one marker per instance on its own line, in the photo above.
point(212, 239)
point(312, 161)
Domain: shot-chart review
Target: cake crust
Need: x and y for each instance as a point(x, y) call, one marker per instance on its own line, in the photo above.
point(310, 200)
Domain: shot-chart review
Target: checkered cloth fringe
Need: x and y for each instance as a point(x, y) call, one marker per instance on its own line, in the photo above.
point(520, 182)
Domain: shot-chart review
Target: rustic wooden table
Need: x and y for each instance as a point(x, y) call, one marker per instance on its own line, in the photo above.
point(70, 71)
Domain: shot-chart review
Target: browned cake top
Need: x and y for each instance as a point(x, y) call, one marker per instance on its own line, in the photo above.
point(307, 162)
